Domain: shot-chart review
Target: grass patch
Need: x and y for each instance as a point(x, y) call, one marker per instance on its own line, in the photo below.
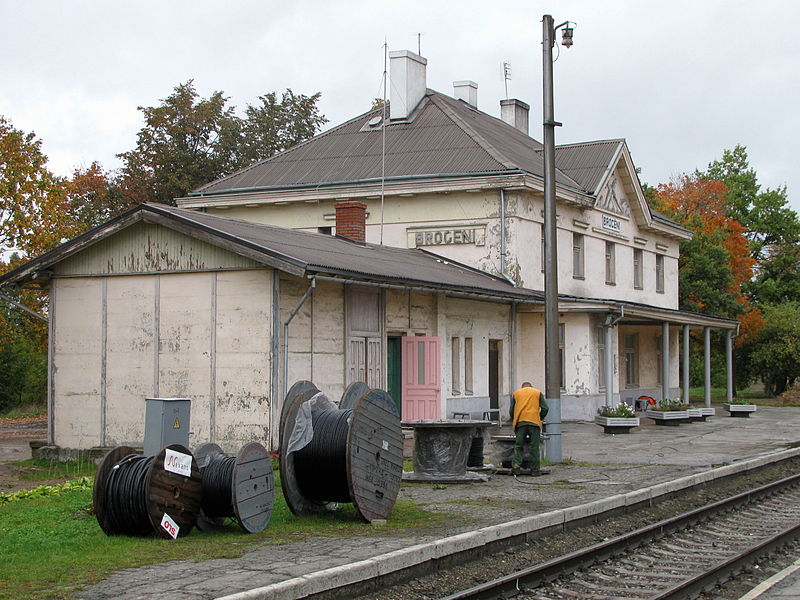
point(43, 470)
point(30, 411)
point(52, 546)
point(698, 394)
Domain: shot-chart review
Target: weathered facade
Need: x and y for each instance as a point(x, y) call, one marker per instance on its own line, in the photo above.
point(435, 295)
point(440, 175)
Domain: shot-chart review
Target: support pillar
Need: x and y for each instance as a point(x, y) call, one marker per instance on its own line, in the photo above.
point(729, 365)
point(664, 360)
point(707, 364)
point(608, 331)
point(685, 369)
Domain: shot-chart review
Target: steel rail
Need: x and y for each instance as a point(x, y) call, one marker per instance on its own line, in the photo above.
point(551, 569)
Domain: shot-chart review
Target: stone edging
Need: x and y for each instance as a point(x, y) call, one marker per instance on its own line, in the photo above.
point(327, 579)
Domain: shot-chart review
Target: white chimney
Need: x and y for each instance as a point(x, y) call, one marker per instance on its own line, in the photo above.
point(515, 113)
point(407, 74)
point(466, 91)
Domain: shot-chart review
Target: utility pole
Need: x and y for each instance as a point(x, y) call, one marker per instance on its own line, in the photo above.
point(552, 356)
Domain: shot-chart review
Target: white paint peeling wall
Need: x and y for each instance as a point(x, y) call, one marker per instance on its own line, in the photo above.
point(77, 363)
point(316, 334)
point(212, 332)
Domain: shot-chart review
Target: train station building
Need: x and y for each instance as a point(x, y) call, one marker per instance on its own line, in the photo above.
point(403, 248)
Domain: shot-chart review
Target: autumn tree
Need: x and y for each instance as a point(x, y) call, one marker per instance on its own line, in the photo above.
point(94, 197)
point(716, 262)
point(33, 219)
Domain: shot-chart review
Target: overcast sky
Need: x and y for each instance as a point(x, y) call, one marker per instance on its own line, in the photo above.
point(680, 80)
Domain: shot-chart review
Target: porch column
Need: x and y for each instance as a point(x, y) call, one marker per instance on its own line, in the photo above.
point(707, 364)
point(729, 365)
point(664, 360)
point(685, 364)
point(608, 330)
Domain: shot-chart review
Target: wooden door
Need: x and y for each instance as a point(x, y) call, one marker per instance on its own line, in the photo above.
point(421, 388)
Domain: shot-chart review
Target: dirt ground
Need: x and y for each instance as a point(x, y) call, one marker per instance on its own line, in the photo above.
point(15, 435)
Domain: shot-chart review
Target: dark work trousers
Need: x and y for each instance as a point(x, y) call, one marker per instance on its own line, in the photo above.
point(527, 434)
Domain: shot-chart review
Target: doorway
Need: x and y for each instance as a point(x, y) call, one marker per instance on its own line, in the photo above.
point(494, 374)
point(394, 370)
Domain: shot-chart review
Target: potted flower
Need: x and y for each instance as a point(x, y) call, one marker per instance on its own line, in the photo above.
point(739, 408)
point(617, 419)
point(670, 411)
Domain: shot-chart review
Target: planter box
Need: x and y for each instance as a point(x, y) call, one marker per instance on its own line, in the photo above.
point(695, 414)
point(708, 412)
point(669, 417)
point(616, 424)
point(740, 410)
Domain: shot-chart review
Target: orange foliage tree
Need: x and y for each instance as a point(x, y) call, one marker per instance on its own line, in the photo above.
point(717, 261)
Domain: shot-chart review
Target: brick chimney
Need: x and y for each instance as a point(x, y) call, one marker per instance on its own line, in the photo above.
point(515, 113)
point(407, 74)
point(351, 220)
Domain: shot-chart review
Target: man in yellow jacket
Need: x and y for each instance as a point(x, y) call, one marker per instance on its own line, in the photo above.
point(528, 408)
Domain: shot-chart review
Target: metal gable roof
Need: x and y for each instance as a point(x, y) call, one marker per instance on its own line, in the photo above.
point(444, 137)
point(296, 252)
point(587, 162)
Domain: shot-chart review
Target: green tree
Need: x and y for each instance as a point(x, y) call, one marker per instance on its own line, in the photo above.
point(765, 214)
point(274, 126)
point(186, 141)
point(774, 354)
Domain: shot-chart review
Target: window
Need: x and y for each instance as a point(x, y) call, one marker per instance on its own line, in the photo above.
point(610, 266)
point(601, 358)
point(659, 355)
point(630, 344)
point(638, 269)
point(325, 230)
point(455, 358)
point(577, 256)
point(660, 273)
point(561, 361)
point(468, 366)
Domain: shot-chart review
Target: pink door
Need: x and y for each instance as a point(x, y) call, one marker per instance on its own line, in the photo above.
point(420, 379)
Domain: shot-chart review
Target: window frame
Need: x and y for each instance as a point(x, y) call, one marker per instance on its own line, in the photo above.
point(638, 269)
point(578, 256)
point(611, 260)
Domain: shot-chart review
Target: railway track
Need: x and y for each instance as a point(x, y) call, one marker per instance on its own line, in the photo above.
point(676, 558)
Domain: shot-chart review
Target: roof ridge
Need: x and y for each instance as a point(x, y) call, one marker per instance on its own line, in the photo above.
point(288, 150)
point(590, 142)
point(470, 131)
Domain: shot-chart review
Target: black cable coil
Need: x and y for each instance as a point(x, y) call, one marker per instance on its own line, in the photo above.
point(321, 467)
point(126, 501)
point(218, 487)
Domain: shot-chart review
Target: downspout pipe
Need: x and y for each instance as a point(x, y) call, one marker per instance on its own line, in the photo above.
point(502, 232)
point(297, 308)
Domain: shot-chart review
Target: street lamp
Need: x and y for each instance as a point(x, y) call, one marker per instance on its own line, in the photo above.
point(552, 362)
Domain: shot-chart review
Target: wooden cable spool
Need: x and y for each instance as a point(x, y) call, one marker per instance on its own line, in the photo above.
point(167, 493)
point(250, 493)
point(372, 449)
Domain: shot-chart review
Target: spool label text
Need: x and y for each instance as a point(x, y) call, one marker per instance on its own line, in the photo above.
point(170, 526)
point(178, 462)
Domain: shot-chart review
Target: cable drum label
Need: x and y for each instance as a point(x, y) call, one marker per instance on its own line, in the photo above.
point(178, 462)
point(170, 526)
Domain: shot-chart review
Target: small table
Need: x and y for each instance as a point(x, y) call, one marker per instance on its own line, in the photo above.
point(441, 449)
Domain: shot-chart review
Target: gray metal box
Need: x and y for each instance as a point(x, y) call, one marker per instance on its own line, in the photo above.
point(166, 421)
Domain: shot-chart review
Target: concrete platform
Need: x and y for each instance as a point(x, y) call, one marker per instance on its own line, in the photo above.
point(600, 471)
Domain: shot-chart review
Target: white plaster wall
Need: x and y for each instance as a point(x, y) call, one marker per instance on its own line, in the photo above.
point(77, 359)
point(316, 335)
point(130, 357)
point(243, 359)
point(481, 321)
point(213, 349)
